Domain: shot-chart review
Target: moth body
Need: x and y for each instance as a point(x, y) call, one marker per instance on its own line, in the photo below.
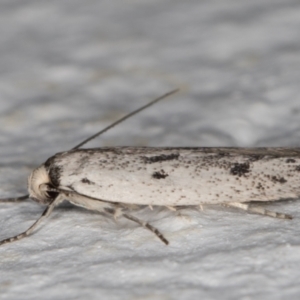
point(169, 176)
point(117, 180)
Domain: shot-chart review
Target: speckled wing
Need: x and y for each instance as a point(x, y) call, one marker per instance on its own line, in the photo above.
point(178, 176)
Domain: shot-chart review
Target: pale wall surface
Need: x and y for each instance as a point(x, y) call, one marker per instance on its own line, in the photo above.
point(69, 68)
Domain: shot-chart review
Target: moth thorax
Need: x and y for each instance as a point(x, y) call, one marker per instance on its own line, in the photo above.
point(39, 184)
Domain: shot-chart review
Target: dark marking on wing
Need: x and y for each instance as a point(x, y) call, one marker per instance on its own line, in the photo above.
point(260, 186)
point(49, 162)
point(55, 174)
point(159, 158)
point(279, 179)
point(290, 160)
point(87, 181)
point(240, 169)
point(160, 174)
point(297, 168)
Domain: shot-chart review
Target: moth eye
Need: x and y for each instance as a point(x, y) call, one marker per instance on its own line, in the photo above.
point(51, 193)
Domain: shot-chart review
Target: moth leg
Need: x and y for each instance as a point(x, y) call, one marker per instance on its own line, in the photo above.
point(117, 213)
point(148, 226)
point(44, 215)
point(16, 199)
point(259, 210)
point(171, 208)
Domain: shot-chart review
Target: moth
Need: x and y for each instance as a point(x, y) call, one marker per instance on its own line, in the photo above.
point(116, 180)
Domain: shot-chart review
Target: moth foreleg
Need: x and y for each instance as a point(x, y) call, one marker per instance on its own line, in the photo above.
point(148, 226)
point(16, 199)
point(259, 210)
point(44, 215)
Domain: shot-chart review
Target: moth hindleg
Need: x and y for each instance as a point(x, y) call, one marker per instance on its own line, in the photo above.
point(259, 210)
point(148, 226)
point(112, 211)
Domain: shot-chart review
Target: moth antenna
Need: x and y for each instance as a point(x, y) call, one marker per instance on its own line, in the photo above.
point(124, 118)
point(15, 199)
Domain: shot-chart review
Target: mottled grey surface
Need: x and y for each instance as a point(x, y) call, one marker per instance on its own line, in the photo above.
point(69, 68)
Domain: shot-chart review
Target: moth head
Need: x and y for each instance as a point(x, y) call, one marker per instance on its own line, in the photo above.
point(40, 187)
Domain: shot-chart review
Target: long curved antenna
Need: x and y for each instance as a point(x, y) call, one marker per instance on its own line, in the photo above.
point(124, 118)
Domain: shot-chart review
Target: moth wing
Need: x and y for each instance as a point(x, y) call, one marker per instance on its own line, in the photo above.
point(179, 176)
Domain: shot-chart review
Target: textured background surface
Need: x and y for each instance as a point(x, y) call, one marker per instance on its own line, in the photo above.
point(69, 68)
